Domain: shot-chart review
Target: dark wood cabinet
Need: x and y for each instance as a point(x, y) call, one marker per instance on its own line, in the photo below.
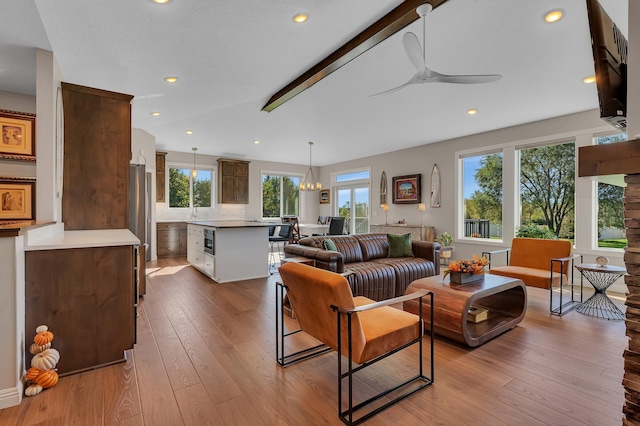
point(97, 151)
point(172, 239)
point(233, 181)
point(88, 303)
point(160, 176)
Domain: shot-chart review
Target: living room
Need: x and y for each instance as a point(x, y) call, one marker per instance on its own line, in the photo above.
point(581, 127)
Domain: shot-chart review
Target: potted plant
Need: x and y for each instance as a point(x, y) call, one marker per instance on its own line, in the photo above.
point(446, 241)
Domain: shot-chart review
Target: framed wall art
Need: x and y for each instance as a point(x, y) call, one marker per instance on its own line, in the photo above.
point(407, 189)
point(324, 196)
point(17, 199)
point(18, 135)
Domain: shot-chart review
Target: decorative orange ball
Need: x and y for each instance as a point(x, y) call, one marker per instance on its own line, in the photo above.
point(43, 338)
point(47, 378)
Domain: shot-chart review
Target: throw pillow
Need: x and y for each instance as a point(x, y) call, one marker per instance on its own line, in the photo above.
point(399, 245)
point(328, 244)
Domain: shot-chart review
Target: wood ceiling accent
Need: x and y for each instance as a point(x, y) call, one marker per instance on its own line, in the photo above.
point(382, 29)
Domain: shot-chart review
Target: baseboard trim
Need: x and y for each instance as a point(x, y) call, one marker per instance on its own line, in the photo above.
point(10, 397)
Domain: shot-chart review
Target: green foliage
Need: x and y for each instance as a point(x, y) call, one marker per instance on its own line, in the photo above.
point(610, 206)
point(547, 184)
point(178, 187)
point(202, 193)
point(445, 239)
point(531, 230)
point(486, 203)
point(271, 196)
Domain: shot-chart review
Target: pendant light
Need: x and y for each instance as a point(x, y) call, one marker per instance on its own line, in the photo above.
point(194, 172)
point(307, 183)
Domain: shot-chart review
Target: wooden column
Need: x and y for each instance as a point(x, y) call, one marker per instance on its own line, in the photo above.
point(631, 380)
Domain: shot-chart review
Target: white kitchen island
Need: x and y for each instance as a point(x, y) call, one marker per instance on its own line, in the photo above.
point(240, 249)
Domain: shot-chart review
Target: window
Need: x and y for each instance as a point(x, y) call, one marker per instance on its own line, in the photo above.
point(611, 233)
point(547, 191)
point(185, 191)
point(482, 199)
point(354, 175)
point(280, 195)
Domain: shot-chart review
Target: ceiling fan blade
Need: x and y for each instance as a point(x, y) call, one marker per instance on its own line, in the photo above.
point(436, 77)
point(413, 80)
point(414, 51)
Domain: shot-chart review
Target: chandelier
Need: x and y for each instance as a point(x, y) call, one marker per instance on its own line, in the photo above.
point(307, 183)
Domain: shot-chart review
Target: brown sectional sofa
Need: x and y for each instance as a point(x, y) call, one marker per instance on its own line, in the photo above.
point(375, 275)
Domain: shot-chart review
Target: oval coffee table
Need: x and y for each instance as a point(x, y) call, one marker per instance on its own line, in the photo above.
point(505, 298)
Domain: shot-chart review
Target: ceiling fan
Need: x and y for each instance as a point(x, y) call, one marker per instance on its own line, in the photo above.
point(424, 74)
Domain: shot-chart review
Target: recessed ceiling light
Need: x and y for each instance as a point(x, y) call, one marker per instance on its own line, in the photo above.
point(189, 132)
point(589, 79)
point(300, 18)
point(171, 79)
point(256, 141)
point(472, 111)
point(553, 16)
point(155, 113)
point(161, 1)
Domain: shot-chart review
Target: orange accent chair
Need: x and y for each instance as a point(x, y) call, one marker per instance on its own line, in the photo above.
point(360, 329)
point(540, 263)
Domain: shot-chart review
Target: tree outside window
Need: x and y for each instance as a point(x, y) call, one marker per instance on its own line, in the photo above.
point(181, 183)
point(483, 196)
point(280, 195)
point(547, 191)
point(611, 232)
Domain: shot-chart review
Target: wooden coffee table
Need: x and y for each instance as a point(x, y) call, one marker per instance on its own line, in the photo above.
point(504, 297)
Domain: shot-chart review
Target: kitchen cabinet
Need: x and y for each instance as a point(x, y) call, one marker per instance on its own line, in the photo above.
point(172, 239)
point(85, 295)
point(97, 150)
point(195, 245)
point(233, 181)
point(160, 176)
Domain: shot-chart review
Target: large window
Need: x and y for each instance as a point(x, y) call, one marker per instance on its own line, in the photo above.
point(547, 191)
point(482, 189)
point(280, 195)
point(351, 199)
point(187, 191)
point(611, 233)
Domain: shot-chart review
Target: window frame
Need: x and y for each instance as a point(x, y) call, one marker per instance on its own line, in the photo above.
point(199, 167)
point(281, 174)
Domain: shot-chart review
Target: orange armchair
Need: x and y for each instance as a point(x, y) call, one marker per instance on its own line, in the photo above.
point(540, 263)
point(358, 328)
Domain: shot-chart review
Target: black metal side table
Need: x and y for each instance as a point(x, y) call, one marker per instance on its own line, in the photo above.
point(601, 277)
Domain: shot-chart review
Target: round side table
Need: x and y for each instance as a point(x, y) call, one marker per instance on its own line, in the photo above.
point(600, 277)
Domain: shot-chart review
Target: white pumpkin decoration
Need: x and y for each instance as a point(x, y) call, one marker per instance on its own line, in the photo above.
point(46, 359)
point(35, 349)
point(41, 328)
point(33, 390)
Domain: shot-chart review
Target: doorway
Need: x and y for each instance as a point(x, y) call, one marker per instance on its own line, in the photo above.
point(353, 203)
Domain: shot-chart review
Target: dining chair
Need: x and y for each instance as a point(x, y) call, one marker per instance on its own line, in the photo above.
point(360, 329)
point(284, 236)
point(336, 226)
point(323, 220)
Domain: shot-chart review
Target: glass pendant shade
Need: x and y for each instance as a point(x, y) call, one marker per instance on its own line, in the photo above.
point(194, 172)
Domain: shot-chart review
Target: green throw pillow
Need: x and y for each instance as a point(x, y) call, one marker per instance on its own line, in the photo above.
point(328, 244)
point(399, 245)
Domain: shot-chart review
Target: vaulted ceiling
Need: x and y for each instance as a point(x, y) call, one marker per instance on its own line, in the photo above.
point(231, 57)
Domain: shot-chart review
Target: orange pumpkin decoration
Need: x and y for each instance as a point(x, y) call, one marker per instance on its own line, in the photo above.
point(32, 373)
point(43, 338)
point(47, 379)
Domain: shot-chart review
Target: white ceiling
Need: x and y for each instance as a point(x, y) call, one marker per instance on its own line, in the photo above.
point(231, 56)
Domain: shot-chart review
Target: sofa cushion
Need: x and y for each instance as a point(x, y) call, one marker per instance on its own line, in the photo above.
point(350, 249)
point(328, 244)
point(530, 276)
point(537, 253)
point(376, 281)
point(399, 245)
point(374, 246)
point(408, 269)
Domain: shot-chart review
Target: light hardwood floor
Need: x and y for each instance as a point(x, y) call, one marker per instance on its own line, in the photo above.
point(206, 355)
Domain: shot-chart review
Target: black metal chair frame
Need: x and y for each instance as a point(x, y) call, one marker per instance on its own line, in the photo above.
point(337, 219)
point(347, 415)
point(562, 308)
point(280, 238)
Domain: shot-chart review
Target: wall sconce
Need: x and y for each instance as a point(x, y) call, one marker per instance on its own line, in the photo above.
point(422, 207)
point(385, 207)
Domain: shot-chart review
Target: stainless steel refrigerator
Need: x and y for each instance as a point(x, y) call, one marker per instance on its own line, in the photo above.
point(139, 219)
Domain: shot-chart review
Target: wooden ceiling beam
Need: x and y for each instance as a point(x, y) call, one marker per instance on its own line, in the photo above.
point(382, 29)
